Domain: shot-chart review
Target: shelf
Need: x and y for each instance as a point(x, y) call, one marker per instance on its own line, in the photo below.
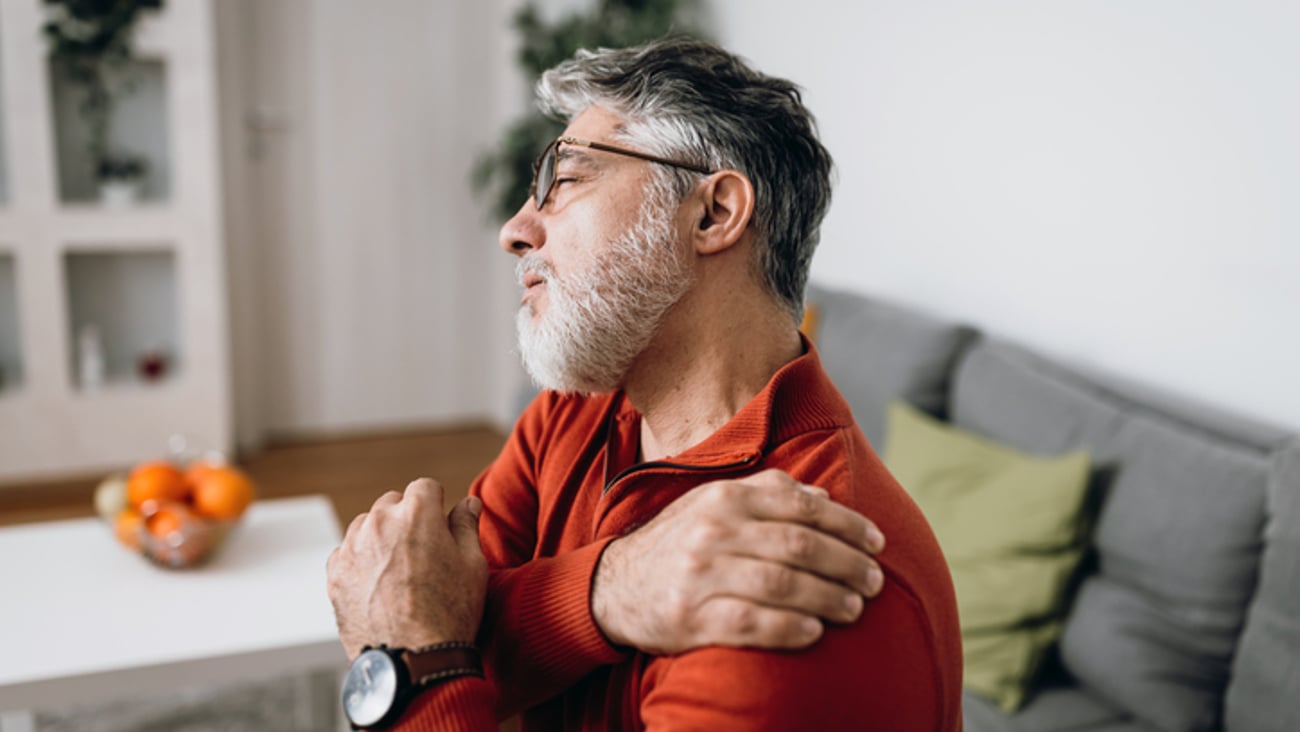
point(11, 359)
point(147, 275)
point(127, 388)
point(126, 302)
point(99, 228)
point(138, 125)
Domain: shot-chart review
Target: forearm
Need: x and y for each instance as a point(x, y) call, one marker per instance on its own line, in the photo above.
point(538, 636)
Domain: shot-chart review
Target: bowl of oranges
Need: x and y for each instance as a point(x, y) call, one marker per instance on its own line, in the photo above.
point(176, 512)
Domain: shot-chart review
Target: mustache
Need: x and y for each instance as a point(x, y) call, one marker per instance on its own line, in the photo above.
point(533, 265)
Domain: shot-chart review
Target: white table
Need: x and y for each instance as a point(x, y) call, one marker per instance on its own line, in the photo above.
point(84, 620)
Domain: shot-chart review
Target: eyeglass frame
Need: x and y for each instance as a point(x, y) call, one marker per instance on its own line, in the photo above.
point(541, 193)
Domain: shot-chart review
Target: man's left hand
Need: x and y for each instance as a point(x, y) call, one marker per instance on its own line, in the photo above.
point(405, 575)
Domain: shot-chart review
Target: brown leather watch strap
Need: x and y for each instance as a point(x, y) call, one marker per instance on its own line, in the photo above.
point(441, 662)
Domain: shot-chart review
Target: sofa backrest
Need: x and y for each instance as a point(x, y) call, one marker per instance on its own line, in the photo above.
point(1178, 537)
point(1262, 696)
point(876, 352)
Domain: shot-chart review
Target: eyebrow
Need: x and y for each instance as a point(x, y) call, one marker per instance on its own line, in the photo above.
point(576, 154)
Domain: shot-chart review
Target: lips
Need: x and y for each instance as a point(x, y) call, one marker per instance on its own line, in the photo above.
point(532, 273)
point(532, 283)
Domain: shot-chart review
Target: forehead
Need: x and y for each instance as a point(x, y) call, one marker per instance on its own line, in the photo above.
point(597, 124)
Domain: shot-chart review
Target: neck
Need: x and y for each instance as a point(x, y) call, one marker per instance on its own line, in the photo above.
point(701, 370)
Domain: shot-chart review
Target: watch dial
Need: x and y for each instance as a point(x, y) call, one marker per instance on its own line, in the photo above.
point(370, 688)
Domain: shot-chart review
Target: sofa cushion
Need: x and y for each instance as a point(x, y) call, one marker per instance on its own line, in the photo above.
point(1052, 710)
point(1011, 529)
point(1178, 537)
point(1266, 670)
point(876, 352)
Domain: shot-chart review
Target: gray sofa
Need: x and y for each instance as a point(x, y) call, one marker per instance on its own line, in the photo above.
point(1187, 616)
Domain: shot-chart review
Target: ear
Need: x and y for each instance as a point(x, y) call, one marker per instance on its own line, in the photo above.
point(726, 204)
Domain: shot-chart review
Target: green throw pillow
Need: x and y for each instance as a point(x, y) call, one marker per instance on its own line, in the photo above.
point(1011, 528)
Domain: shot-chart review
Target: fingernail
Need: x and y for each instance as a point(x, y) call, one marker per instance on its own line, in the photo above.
point(875, 539)
point(853, 603)
point(875, 580)
point(474, 505)
point(811, 627)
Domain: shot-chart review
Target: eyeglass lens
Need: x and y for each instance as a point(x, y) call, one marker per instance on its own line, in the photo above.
point(545, 174)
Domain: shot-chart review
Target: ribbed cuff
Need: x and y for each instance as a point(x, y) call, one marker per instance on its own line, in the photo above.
point(459, 705)
point(554, 614)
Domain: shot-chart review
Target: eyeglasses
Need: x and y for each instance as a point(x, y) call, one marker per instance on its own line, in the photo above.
point(544, 168)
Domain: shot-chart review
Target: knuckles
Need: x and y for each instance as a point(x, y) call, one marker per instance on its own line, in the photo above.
point(774, 477)
point(677, 610)
point(804, 505)
point(800, 546)
point(740, 617)
point(705, 535)
point(777, 581)
point(422, 491)
point(725, 492)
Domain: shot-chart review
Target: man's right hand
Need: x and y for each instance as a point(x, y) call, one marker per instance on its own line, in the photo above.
point(760, 561)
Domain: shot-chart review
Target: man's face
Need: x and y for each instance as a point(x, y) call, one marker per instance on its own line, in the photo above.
point(602, 264)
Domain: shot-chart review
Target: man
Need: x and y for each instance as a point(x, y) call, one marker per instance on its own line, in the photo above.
point(655, 551)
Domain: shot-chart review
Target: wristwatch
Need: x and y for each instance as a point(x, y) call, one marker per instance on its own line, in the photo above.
point(382, 680)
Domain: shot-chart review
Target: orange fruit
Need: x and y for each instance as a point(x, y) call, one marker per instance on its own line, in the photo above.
point(165, 520)
point(223, 492)
point(197, 469)
point(157, 480)
point(126, 527)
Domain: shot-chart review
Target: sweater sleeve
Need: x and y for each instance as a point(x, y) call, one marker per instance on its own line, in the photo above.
point(897, 668)
point(878, 673)
point(537, 637)
point(460, 705)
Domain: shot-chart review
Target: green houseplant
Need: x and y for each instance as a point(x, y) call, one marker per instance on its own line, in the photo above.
point(90, 42)
point(505, 173)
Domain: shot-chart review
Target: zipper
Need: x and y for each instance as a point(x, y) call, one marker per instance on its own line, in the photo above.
point(693, 468)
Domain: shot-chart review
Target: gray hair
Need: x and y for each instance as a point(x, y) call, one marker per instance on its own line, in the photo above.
point(695, 102)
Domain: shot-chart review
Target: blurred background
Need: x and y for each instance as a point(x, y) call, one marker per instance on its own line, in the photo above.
point(309, 259)
point(268, 227)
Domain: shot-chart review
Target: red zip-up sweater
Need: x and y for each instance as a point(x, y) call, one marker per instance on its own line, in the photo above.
point(567, 483)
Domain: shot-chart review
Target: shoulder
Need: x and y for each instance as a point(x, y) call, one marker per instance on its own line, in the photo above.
point(888, 670)
point(913, 624)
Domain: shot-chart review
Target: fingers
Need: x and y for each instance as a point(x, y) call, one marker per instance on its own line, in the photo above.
point(785, 588)
point(424, 493)
point(728, 621)
point(807, 550)
point(463, 523)
point(421, 496)
point(355, 525)
point(774, 496)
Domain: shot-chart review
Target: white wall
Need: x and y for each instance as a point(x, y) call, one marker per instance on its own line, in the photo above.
point(367, 287)
point(1112, 182)
point(1103, 181)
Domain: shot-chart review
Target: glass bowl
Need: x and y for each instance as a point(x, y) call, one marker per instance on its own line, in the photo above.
point(173, 535)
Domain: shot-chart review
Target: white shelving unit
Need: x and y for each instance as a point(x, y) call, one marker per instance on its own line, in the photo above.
point(149, 277)
point(11, 365)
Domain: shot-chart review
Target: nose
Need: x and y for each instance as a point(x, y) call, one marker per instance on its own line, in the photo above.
point(523, 232)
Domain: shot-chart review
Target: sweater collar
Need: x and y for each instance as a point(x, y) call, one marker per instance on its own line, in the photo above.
point(798, 398)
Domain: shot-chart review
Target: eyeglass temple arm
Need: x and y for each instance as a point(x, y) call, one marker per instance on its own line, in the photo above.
point(635, 154)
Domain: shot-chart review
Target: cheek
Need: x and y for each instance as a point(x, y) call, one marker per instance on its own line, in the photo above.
point(576, 239)
point(573, 252)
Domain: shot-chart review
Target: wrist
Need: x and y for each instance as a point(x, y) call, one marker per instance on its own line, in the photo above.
point(382, 681)
point(604, 610)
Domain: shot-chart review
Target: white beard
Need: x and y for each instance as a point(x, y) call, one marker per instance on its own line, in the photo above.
point(599, 319)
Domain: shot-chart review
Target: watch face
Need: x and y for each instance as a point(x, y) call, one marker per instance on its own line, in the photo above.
point(370, 688)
